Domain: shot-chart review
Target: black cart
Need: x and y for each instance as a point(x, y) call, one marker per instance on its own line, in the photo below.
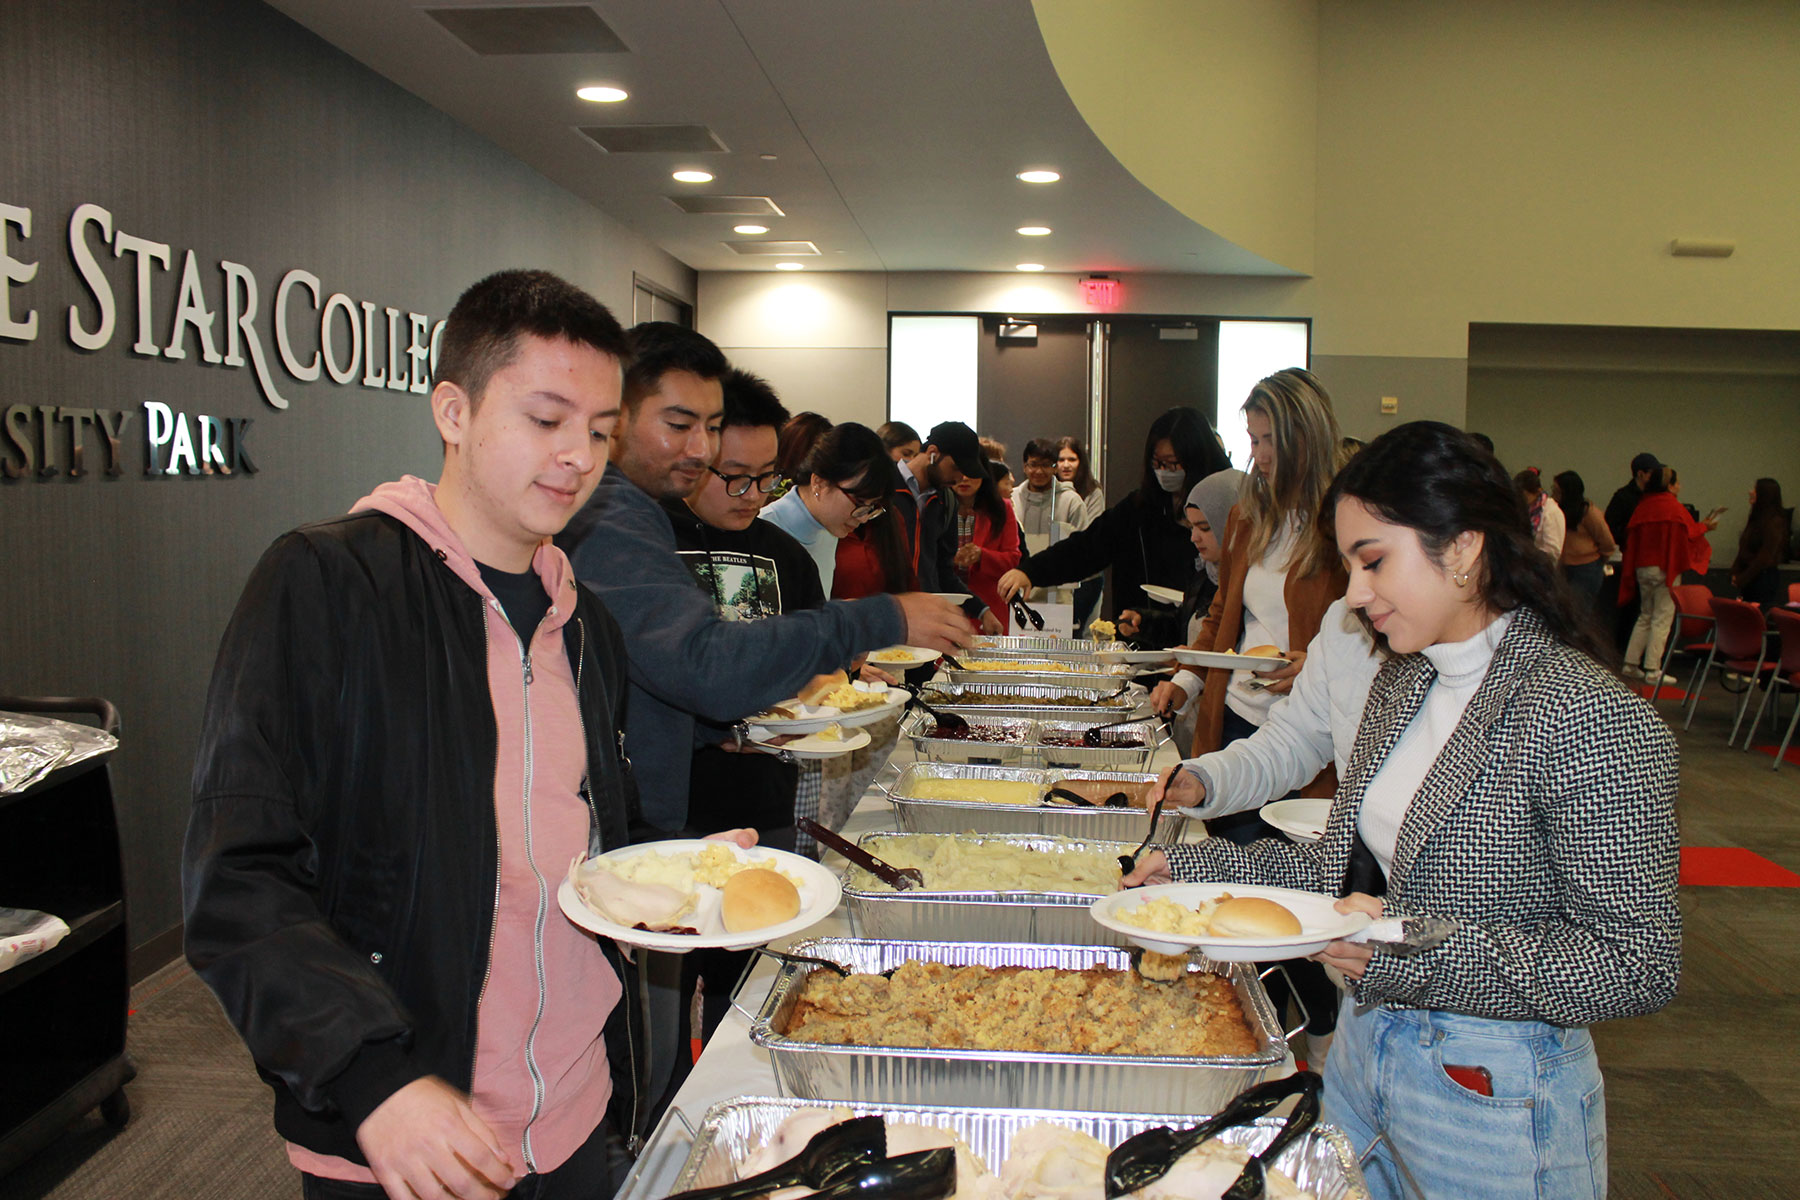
point(62, 1014)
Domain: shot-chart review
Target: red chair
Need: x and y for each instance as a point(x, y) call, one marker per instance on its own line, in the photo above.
point(1739, 648)
point(1787, 674)
point(1794, 593)
point(1691, 634)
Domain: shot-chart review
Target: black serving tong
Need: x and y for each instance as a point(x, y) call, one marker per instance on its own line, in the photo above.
point(783, 957)
point(1024, 614)
point(922, 1175)
point(1116, 800)
point(898, 878)
point(842, 1153)
point(945, 720)
point(1128, 862)
point(1141, 1160)
point(1089, 736)
point(950, 660)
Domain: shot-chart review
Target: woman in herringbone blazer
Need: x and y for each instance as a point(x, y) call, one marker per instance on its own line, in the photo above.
point(1502, 778)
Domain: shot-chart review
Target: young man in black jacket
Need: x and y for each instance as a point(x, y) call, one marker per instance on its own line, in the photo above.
point(412, 728)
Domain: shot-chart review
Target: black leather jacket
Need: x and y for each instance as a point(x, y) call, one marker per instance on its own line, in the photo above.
point(341, 859)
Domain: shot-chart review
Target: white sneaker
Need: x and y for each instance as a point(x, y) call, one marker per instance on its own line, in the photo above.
point(1630, 671)
point(1660, 680)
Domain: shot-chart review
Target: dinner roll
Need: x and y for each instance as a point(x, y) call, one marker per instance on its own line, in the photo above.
point(756, 898)
point(821, 686)
point(1252, 916)
point(1264, 651)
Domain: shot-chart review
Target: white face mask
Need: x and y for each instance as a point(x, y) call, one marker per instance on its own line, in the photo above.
point(1171, 481)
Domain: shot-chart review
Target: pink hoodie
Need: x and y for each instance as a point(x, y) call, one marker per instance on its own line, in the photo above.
point(541, 1079)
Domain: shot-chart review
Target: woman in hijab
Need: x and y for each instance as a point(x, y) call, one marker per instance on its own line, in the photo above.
point(1208, 506)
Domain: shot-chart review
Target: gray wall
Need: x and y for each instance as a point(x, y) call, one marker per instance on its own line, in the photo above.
point(221, 126)
point(1032, 389)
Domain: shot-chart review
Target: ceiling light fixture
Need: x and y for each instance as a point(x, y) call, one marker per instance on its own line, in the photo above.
point(790, 266)
point(749, 229)
point(1031, 266)
point(693, 177)
point(1039, 176)
point(602, 94)
point(1035, 230)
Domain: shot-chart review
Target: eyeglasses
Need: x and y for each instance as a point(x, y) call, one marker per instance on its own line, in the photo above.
point(1165, 464)
point(867, 510)
point(739, 485)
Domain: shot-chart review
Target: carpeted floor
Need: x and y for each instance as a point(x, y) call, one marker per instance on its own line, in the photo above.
point(1703, 1098)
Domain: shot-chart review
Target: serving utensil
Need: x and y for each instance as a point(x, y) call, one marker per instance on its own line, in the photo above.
point(922, 1175)
point(1090, 737)
point(1140, 1161)
point(842, 1153)
point(1024, 614)
point(1128, 862)
point(898, 878)
point(950, 660)
point(945, 720)
point(783, 957)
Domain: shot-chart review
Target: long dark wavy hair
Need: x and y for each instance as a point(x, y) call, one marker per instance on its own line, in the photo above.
point(1437, 481)
point(1571, 496)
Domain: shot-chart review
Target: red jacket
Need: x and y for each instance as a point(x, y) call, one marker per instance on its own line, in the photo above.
point(1661, 534)
point(858, 572)
point(999, 554)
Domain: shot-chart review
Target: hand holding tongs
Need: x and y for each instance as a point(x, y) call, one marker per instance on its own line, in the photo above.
point(1024, 614)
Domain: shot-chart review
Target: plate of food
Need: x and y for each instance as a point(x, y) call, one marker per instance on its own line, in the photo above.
point(828, 742)
point(1167, 595)
point(1257, 658)
point(831, 700)
point(1113, 657)
point(689, 894)
point(903, 657)
point(1229, 922)
point(1302, 820)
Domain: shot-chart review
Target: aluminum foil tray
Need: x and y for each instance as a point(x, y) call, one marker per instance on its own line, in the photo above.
point(971, 699)
point(1103, 757)
point(1321, 1161)
point(1060, 820)
point(919, 725)
point(1053, 672)
point(1039, 646)
point(996, 1079)
point(1047, 918)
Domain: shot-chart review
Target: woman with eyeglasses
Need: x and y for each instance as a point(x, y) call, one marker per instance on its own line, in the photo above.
point(843, 482)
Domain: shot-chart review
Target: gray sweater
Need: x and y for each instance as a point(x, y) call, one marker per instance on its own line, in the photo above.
point(685, 661)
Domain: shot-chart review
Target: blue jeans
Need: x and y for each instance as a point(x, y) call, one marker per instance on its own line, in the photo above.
point(1542, 1134)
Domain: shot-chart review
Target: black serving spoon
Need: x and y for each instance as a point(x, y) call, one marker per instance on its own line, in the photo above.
point(1090, 736)
point(1141, 1160)
point(945, 720)
point(781, 956)
point(922, 1175)
point(840, 1154)
point(1116, 800)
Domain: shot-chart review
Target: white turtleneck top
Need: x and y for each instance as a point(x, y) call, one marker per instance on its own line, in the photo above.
point(1461, 666)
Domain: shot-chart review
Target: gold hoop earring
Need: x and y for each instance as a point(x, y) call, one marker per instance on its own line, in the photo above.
point(1459, 578)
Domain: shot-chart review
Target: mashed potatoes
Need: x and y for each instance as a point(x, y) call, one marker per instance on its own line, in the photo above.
point(985, 791)
point(713, 865)
point(1165, 916)
point(953, 864)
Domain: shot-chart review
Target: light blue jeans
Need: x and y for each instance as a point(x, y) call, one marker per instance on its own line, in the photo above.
point(1542, 1134)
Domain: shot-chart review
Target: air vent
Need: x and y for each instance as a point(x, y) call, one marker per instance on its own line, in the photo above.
point(784, 249)
point(727, 206)
point(654, 139)
point(541, 29)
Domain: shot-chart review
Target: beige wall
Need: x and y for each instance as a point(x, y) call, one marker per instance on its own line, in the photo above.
point(1220, 81)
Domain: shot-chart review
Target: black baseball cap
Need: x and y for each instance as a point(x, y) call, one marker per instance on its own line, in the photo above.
point(1644, 462)
point(957, 440)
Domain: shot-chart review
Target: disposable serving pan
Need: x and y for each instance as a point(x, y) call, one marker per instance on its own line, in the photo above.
point(1041, 701)
point(919, 728)
point(924, 915)
point(1108, 755)
point(997, 1079)
point(1039, 646)
point(914, 815)
point(1320, 1161)
point(1038, 671)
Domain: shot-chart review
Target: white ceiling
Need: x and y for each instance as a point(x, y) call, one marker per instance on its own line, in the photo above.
point(897, 128)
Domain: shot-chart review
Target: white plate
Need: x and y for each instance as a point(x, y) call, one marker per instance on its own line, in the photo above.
point(1320, 922)
point(819, 888)
point(1167, 595)
point(813, 719)
point(1133, 656)
point(1230, 662)
point(916, 656)
point(1301, 820)
point(952, 597)
point(811, 745)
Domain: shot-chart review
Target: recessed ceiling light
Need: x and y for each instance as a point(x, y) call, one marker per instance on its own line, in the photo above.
point(693, 177)
point(1039, 176)
point(749, 229)
point(790, 267)
point(766, 157)
point(1031, 266)
point(1034, 230)
point(604, 94)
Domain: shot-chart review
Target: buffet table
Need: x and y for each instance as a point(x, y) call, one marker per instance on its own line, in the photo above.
point(731, 1065)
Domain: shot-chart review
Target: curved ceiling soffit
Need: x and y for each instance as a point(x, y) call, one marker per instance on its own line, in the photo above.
point(1149, 79)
